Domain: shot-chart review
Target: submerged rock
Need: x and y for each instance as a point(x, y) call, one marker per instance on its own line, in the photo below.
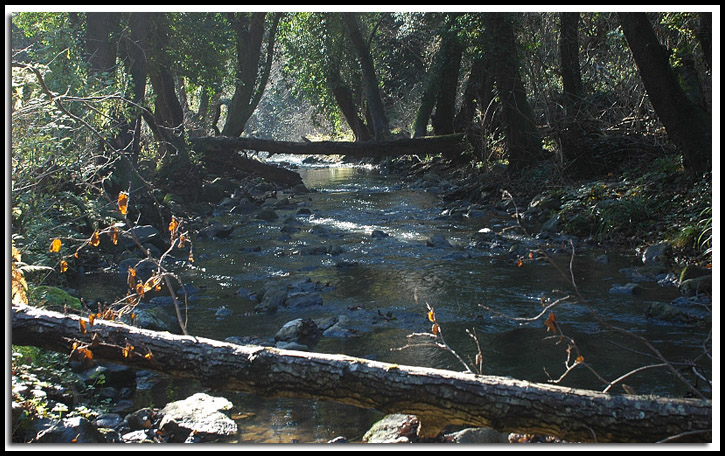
point(438, 241)
point(626, 289)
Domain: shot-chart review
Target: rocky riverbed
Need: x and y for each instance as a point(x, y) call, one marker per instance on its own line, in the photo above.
point(315, 262)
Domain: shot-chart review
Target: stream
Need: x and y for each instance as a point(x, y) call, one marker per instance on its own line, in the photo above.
point(363, 238)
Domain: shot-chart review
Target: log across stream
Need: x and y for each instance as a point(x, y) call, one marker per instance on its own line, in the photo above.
point(438, 397)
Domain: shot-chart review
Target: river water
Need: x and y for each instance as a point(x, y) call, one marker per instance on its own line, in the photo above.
point(374, 279)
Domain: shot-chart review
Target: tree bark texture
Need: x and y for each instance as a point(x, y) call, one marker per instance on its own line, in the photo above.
point(248, 92)
point(437, 397)
point(370, 80)
point(101, 51)
point(687, 125)
point(422, 146)
point(522, 136)
point(572, 135)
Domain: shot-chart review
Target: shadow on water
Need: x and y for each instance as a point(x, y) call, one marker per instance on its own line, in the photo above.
point(365, 239)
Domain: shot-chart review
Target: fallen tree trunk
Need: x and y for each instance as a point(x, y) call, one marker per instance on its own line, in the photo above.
point(437, 397)
point(229, 160)
point(454, 143)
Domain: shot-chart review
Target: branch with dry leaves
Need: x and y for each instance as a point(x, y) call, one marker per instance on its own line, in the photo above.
point(572, 349)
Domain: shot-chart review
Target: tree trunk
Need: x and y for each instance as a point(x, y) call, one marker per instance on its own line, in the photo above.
point(370, 80)
point(168, 113)
point(101, 52)
point(427, 145)
point(687, 125)
point(438, 397)
point(431, 83)
point(522, 136)
point(572, 143)
point(445, 113)
point(251, 82)
point(346, 102)
point(133, 51)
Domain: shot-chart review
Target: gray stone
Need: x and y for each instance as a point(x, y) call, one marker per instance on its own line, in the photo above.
point(267, 215)
point(201, 413)
point(71, 430)
point(215, 230)
point(626, 289)
point(655, 253)
point(303, 300)
point(109, 420)
point(478, 435)
point(692, 287)
point(395, 428)
point(438, 241)
point(551, 225)
point(144, 233)
point(300, 330)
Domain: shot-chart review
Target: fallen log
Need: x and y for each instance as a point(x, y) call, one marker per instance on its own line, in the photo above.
point(230, 160)
point(417, 146)
point(438, 397)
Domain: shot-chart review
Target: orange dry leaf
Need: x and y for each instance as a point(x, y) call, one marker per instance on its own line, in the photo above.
point(435, 329)
point(55, 245)
point(154, 282)
point(173, 226)
point(551, 323)
point(123, 202)
point(520, 263)
point(95, 239)
point(579, 359)
point(140, 289)
point(82, 326)
point(432, 316)
point(63, 265)
point(19, 287)
point(127, 350)
point(91, 317)
point(114, 235)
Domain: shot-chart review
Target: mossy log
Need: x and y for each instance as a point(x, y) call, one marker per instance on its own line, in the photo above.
point(437, 397)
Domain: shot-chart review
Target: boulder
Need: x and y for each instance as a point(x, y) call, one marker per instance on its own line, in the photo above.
point(71, 430)
point(395, 428)
point(301, 330)
point(144, 233)
point(201, 414)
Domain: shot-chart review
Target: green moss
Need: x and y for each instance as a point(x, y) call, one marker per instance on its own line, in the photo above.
point(53, 298)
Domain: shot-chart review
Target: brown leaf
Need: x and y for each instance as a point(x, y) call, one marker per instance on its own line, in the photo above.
point(95, 239)
point(435, 329)
point(123, 202)
point(431, 316)
point(551, 323)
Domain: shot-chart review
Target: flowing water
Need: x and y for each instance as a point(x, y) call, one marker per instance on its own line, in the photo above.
point(373, 280)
